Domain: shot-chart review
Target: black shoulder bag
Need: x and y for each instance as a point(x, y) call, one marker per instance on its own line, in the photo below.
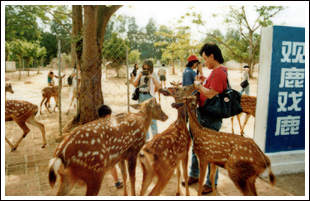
point(244, 84)
point(223, 105)
point(135, 95)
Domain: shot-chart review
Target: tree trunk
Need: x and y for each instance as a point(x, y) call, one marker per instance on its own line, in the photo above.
point(173, 69)
point(91, 93)
point(88, 54)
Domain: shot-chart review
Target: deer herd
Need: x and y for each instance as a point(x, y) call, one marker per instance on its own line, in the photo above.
point(90, 150)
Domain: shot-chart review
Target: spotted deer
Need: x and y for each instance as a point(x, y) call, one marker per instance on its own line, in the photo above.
point(47, 93)
point(240, 156)
point(22, 112)
point(163, 154)
point(248, 104)
point(93, 148)
point(8, 88)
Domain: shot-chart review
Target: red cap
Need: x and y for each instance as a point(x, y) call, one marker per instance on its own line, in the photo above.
point(192, 58)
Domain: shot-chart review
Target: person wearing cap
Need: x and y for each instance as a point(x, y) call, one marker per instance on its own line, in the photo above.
point(189, 74)
point(245, 76)
point(214, 84)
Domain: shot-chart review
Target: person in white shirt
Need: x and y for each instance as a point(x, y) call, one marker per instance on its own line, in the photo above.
point(148, 84)
point(73, 90)
point(162, 76)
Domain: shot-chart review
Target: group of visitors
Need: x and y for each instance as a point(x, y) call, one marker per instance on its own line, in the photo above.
point(207, 87)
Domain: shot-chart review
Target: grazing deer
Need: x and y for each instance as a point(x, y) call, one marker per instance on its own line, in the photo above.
point(47, 93)
point(93, 148)
point(240, 156)
point(8, 88)
point(163, 154)
point(22, 112)
point(248, 104)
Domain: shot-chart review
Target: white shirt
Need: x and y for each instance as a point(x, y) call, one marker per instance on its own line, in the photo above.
point(152, 85)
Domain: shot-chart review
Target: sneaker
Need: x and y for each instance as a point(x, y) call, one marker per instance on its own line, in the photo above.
point(191, 180)
point(119, 185)
point(207, 189)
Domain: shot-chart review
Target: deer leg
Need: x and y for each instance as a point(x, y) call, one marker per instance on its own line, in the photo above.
point(124, 174)
point(31, 120)
point(66, 185)
point(240, 182)
point(245, 121)
point(185, 173)
point(212, 176)
point(232, 125)
point(163, 179)
point(238, 117)
point(47, 101)
point(8, 141)
point(178, 176)
point(41, 104)
point(56, 101)
point(202, 174)
point(148, 175)
point(252, 185)
point(93, 185)
point(26, 130)
point(132, 163)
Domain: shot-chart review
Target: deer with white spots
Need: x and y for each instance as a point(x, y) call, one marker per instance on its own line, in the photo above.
point(47, 93)
point(240, 156)
point(22, 112)
point(248, 105)
point(8, 88)
point(167, 150)
point(93, 148)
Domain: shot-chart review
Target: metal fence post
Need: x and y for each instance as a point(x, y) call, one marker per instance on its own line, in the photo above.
point(127, 67)
point(59, 87)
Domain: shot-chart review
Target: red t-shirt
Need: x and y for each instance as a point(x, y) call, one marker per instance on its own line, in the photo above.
point(217, 81)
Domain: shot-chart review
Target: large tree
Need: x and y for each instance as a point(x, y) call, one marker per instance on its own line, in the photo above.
point(95, 21)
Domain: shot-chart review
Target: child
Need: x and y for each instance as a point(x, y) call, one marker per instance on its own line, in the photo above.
point(105, 111)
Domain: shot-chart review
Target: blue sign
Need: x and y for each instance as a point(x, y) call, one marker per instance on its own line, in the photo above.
point(286, 109)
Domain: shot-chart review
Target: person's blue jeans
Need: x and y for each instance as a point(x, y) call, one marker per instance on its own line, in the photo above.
point(143, 97)
point(246, 90)
point(211, 123)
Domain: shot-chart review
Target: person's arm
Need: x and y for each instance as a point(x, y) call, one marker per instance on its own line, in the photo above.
point(209, 93)
point(156, 82)
point(136, 82)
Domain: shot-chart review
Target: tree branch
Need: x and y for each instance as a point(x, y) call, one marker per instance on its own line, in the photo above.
point(227, 46)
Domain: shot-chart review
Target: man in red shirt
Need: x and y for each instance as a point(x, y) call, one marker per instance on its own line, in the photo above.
point(216, 83)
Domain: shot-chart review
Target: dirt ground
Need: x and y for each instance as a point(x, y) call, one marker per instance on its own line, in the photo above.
point(26, 168)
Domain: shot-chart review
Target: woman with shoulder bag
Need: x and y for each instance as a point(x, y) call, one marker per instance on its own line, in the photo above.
point(148, 84)
point(215, 84)
point(245, 81)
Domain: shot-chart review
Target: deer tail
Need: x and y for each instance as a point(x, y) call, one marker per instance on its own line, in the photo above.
point(272, 178)
point(54, 165)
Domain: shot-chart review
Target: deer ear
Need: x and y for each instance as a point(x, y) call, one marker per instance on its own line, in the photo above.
point(165, 92)
point(136, 106)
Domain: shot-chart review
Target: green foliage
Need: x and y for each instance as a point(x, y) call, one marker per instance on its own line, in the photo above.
point(114, 49)
point(27, 51)
point(134, 56)
point(49, 41)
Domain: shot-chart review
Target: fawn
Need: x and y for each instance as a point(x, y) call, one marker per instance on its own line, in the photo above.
point(8, 88)
point(22, 112)
point(248, 104)
point(163, 154)
point(95, 147)
point(47, 93)
point(240, 156)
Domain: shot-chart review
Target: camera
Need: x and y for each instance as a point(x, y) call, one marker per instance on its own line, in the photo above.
point(145, 72)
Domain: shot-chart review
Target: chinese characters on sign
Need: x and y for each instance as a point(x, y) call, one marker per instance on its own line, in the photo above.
point(291, 79)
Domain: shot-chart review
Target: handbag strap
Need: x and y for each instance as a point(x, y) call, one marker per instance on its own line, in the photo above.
point(228, 85)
